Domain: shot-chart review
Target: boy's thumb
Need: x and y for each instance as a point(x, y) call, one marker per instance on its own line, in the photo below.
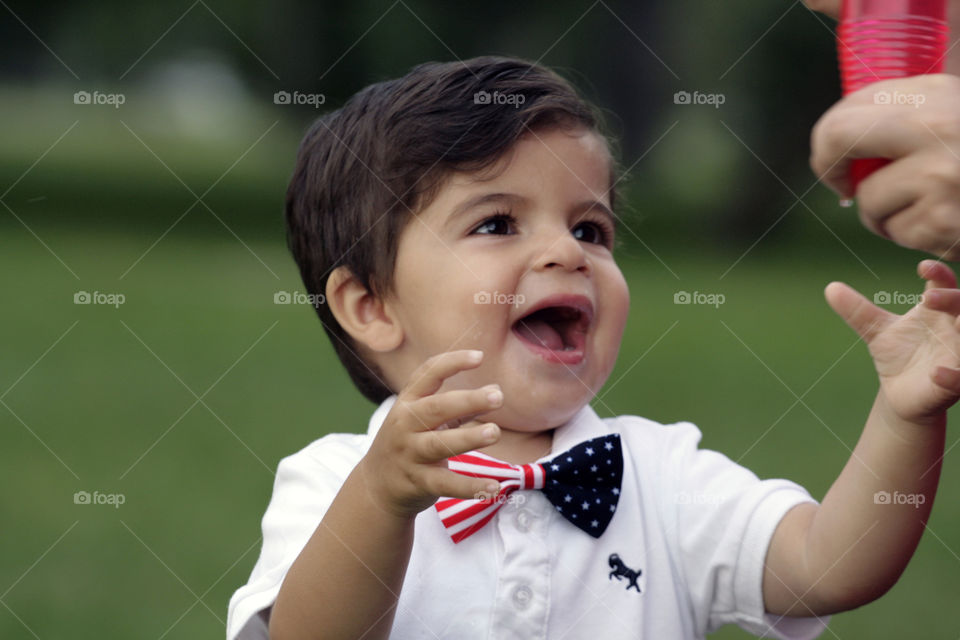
point(860, 314)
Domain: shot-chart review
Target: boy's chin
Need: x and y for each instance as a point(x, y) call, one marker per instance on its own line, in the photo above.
point(533, 418)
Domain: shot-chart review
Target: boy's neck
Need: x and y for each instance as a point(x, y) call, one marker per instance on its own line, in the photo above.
point(520, 447)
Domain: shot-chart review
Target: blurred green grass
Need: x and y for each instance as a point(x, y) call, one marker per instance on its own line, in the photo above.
point(113, 400)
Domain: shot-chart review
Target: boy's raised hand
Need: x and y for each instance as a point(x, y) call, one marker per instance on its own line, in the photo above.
point(405, 469)
point(917, 355)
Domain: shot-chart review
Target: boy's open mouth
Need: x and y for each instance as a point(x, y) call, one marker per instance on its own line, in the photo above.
point(556, 328)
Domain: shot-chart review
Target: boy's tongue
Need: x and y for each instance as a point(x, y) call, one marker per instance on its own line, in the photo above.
point(538, 331)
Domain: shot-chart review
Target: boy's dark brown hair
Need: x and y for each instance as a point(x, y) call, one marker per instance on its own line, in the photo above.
point(363, 170)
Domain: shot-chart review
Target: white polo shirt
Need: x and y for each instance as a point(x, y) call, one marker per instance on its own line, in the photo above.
point(690, 535)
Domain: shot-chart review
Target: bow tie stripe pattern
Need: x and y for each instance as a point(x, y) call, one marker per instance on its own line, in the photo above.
point(462, 518)
point(583, 484)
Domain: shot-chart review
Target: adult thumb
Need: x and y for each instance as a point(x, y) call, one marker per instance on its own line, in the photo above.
point(829, 7)
point(864, 317)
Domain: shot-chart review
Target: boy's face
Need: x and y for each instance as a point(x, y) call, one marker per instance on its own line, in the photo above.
point(487, 253)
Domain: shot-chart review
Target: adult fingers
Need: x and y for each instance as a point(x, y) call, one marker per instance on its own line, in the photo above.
point(828, 7)
point(925, 226)
point(849, 131)
point(889, 191)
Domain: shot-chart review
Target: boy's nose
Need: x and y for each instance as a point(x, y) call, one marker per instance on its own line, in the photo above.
point(564, 251)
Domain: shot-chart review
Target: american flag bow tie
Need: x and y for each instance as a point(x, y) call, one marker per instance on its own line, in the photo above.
point(583, 484)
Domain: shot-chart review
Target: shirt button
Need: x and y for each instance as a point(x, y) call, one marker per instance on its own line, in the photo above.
point(523, 519)
point(522, 596)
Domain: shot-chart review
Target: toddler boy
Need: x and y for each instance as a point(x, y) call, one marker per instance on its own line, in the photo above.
point(460, 222)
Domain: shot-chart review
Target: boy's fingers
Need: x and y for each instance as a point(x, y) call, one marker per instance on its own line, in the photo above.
point(449, 484)
point(429, 376)
point(947, 378)
point(451, 408)
point(946, 300)
point(937, 275)
point(434, 446)
point(860, 314)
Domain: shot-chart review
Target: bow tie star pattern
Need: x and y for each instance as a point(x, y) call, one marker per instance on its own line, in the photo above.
point(583, 484)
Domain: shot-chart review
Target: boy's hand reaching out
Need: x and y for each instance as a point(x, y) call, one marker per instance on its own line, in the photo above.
point(405, 469)
point(917, 355)
point(853, 547)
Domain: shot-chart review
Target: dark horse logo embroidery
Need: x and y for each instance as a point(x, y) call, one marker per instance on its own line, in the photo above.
point(621, 570)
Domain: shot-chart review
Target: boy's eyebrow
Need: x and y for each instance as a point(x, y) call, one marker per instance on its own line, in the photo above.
point(482, 199)
point(596, 205)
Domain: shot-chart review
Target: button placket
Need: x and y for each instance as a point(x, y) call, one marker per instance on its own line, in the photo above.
point(522, 596)
point(524, 582)
point(524, 519)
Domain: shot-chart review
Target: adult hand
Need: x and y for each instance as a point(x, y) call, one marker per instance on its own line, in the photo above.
point(914, 200)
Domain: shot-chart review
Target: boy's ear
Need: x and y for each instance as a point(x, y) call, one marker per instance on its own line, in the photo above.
point(361, 314)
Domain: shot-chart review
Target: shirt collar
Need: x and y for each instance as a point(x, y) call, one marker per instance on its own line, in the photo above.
point(584, 424)
point(379, 415)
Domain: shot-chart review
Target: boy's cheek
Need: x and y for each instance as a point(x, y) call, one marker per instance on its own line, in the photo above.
point(610, 330)
point(619, 303)
point(623, 310)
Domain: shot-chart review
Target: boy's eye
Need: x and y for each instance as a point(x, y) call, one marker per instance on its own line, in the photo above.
point(499, 224)
point(592, 232)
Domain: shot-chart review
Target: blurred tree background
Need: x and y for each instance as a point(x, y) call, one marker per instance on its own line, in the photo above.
point(183, 398)
point(207, 73)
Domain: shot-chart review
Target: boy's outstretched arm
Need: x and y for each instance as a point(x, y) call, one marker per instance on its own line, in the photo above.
point(854, 546)
point(346, 581)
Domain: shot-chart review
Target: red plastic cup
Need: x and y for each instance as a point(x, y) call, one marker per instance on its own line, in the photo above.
point(883, 39)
